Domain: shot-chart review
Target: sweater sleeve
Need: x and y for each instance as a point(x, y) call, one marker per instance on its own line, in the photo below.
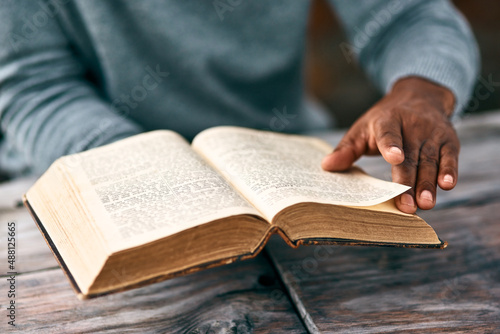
point(395, 39)
point(47, 107)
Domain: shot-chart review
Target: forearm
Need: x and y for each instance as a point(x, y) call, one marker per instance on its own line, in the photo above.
point(59, 115)
point(47, 107)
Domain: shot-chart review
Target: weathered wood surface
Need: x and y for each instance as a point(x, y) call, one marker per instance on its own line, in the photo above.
point(11, 192)
point(32, 253)
point(373, 290)
point(334, 289)
point(243, 297)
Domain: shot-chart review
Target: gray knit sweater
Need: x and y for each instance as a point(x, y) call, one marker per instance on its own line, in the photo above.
point(76, 74)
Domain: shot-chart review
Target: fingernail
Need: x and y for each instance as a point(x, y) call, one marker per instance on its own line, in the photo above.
point(426, 195)
point(395, 150)
point(407, 199)
point(448, 179)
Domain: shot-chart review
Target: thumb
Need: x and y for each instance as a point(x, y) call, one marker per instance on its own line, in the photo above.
point(350, 148)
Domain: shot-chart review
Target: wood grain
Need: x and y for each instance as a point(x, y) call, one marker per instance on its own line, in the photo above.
point(372, 290)
point(243, 297)
point(365, 290)
point(238, 298)
point(334, 289)
point(32, 253)
point(11, 192)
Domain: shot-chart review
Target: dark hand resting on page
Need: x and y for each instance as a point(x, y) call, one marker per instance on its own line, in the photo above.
point(410, 127)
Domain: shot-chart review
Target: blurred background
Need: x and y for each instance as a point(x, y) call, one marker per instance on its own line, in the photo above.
point(343, 88)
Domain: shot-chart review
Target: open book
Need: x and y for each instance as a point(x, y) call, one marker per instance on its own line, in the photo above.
point(152, 207)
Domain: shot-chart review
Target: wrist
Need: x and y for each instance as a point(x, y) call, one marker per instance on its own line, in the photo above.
point(419, 88)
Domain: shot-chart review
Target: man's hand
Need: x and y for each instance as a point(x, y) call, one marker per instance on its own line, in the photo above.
point(411, 129)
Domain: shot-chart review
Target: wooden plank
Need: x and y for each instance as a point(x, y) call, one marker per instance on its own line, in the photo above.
point(32, 253)
point(242, 297)
point(11, 192)
point(479, 180)
point(372, 290)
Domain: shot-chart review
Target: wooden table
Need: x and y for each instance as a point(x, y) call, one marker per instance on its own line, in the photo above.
point(310, 289)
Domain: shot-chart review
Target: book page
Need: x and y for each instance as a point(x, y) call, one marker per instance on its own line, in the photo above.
point(150, 186)
point(276, 170)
